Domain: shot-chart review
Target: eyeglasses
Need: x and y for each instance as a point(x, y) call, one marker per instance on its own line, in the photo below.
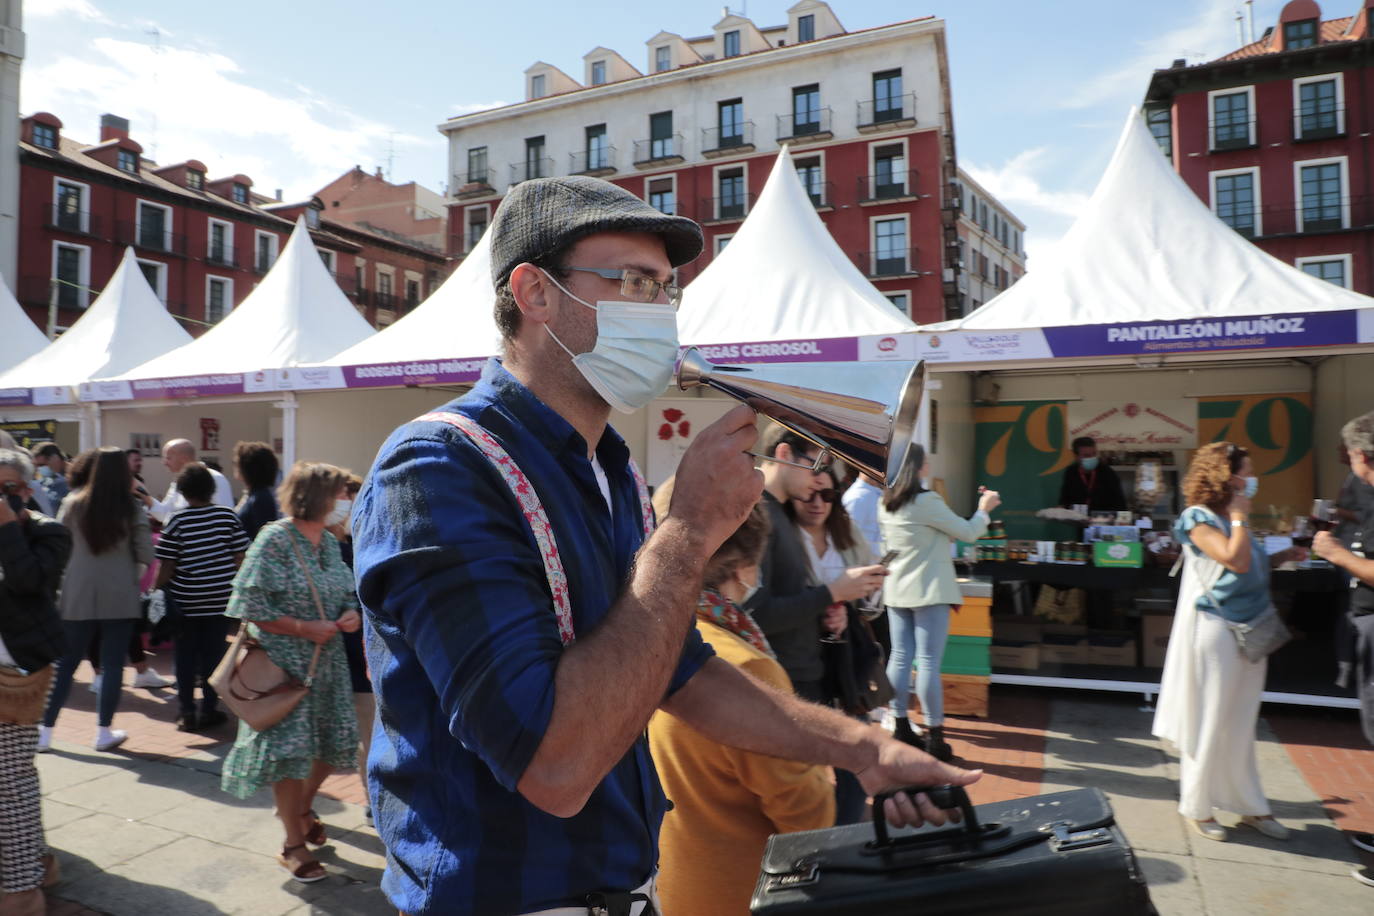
point(826, 496)
point(636, 286)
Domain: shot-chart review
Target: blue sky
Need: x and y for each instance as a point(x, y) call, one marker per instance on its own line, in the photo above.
point(294, 92)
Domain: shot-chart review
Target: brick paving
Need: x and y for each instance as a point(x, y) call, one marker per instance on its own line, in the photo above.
point(1325, 745)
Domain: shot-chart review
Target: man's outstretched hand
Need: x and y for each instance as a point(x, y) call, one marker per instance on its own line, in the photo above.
point(901, 765)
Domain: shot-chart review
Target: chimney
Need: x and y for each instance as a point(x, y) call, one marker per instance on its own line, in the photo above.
point(278, 195)
point(379, 172)
point(113, 127)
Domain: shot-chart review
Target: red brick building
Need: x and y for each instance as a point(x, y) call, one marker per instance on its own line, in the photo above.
point(1275, 138)
point(369, 201)
point(866, 115)
point(203, 242)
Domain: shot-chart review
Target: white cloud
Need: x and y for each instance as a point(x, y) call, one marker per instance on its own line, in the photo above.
point(1209, 35)
point(51, 9)
point(1016, 183)
point(186, 104)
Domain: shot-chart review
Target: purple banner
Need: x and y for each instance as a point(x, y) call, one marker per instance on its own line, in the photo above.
point(419, 372)
point(822, 350)
point(15, 397)
point(1205, 335)
point(191, 386)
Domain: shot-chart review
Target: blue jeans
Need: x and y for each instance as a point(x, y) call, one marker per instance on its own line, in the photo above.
point(114, 646)
point(920, 632)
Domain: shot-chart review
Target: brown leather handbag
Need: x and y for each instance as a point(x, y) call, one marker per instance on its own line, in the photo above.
point(255, 688)
point(24, 695)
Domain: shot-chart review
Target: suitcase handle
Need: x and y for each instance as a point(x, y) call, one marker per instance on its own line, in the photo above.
point(941, 796)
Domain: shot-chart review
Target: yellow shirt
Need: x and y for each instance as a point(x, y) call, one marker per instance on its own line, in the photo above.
point(727, 802)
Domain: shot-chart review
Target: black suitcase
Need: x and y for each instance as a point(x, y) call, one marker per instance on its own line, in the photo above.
point(1059, 855)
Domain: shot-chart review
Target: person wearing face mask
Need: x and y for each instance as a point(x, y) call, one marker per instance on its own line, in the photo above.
point(1089, 482)
point(526, 616)
point(1210, 692)
point(200, 551)
point(727, 802)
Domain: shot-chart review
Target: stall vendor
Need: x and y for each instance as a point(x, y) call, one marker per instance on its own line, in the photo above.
point(1090, 482)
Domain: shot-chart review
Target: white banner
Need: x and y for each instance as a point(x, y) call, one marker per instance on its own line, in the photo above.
point(107, 391)
point(1365, 334)
point(981, 346)
point(1136, 426)
point(59, 394)
point(901, 347)
point(322, 377)
point(266, 380)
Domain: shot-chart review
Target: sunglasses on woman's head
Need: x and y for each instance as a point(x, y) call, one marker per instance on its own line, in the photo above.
point(826, 496)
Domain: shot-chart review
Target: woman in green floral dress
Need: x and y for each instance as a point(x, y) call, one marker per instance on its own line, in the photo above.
point(273, 597)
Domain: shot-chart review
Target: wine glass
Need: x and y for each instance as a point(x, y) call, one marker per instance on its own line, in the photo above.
point(1323, 517)
point(1302, 531)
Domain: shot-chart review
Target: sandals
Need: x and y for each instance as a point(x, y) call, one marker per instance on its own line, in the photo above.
point(306, 872)
point(315, 834)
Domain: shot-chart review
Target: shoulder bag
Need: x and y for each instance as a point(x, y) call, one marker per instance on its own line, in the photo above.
point(1258, 638)
point(255, 688)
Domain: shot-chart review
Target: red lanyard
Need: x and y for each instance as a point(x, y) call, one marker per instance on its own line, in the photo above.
point(1089, 479)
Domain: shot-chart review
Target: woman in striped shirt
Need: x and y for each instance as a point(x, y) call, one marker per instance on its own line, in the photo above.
point(201, 549)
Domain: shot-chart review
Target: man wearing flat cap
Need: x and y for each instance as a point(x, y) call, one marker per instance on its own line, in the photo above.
point(523, 624)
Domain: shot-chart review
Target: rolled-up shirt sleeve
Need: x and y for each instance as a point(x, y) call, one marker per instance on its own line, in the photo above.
point(447, 563)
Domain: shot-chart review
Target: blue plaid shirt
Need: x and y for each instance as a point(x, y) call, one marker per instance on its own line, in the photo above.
point(463, 645)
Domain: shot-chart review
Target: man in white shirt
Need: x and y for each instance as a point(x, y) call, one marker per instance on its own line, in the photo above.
point(861, 502)
point(176, 455)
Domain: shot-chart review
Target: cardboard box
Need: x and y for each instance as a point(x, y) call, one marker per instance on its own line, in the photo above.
point(1063, 650)
point(1154, 639)
point(1118, 554)
point(1020, 628)
point(1008, 653)
point(964, 695)
point(1112, 649)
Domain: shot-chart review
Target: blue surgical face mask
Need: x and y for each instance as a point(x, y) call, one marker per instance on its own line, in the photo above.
point(1251, 486)
point(45, 472)
point(636, 348)
point(1089, 464)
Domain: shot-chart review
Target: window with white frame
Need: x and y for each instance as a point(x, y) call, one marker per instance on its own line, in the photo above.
point(730, 202)
point(598, 72)
point(1232, 126)
point(889, 246)
point(219, 298)
point(154, 226)
point(811, 171)
point(264, 251)
point(663, 58)
point(731, 43)
point(1333, 268)
point(1318, 107)
point(70, 210)
point(662, 194)
point(71, 272)
point(1322, 202)
point(155, 272)
point(328, 258)
point(219, 242)
point(537, 82)
point(721, 242)
point(386, 283)
point(477, 218)
point(127, 161)
point(900, 301)
point(1236, 200)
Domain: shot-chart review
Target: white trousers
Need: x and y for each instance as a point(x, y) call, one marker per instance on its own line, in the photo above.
point(1222, 772)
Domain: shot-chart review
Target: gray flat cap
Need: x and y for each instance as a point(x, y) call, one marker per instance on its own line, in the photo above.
point(544, 214)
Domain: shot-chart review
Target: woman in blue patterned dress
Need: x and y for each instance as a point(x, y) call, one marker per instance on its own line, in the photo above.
point(273, 596)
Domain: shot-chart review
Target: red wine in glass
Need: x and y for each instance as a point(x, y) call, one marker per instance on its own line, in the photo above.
point(1323, 516)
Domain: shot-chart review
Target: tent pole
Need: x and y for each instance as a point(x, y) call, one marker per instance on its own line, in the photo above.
point(288, 429)
point(96, 427)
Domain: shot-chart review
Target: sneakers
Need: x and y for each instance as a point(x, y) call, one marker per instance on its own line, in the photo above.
point(44, 738)
point(151, 680)
point(1208, 829)
point(1267, 826)
point(1364, 875)
point(1363, 841)
point(107, 739)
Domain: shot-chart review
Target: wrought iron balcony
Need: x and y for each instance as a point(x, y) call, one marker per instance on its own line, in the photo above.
point(728, 141)
point(1233, 133)
point(595, 162)
point(526, 169)
point(478, 183)
point(150, 237)
point(62, 217)
point(659, 151)
point(808, 127)
point(729, 207)
point(888, 262)
point(224, 256)
point(887, 113)
point(822, 194)
point(887, 186)
point(1317, 122)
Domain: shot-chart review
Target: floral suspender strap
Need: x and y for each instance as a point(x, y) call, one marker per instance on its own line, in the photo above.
point(535, 516)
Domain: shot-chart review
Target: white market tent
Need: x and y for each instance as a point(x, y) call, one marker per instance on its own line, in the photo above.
point(455, 322)
point(1146, 248)
point(125, 326)
point(782, 277)
point(296, 316)
point(22, 338)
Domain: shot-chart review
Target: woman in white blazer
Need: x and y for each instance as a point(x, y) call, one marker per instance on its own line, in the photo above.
point(920, 587)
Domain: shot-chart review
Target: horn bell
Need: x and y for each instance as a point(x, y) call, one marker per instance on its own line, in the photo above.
point(865, 414)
